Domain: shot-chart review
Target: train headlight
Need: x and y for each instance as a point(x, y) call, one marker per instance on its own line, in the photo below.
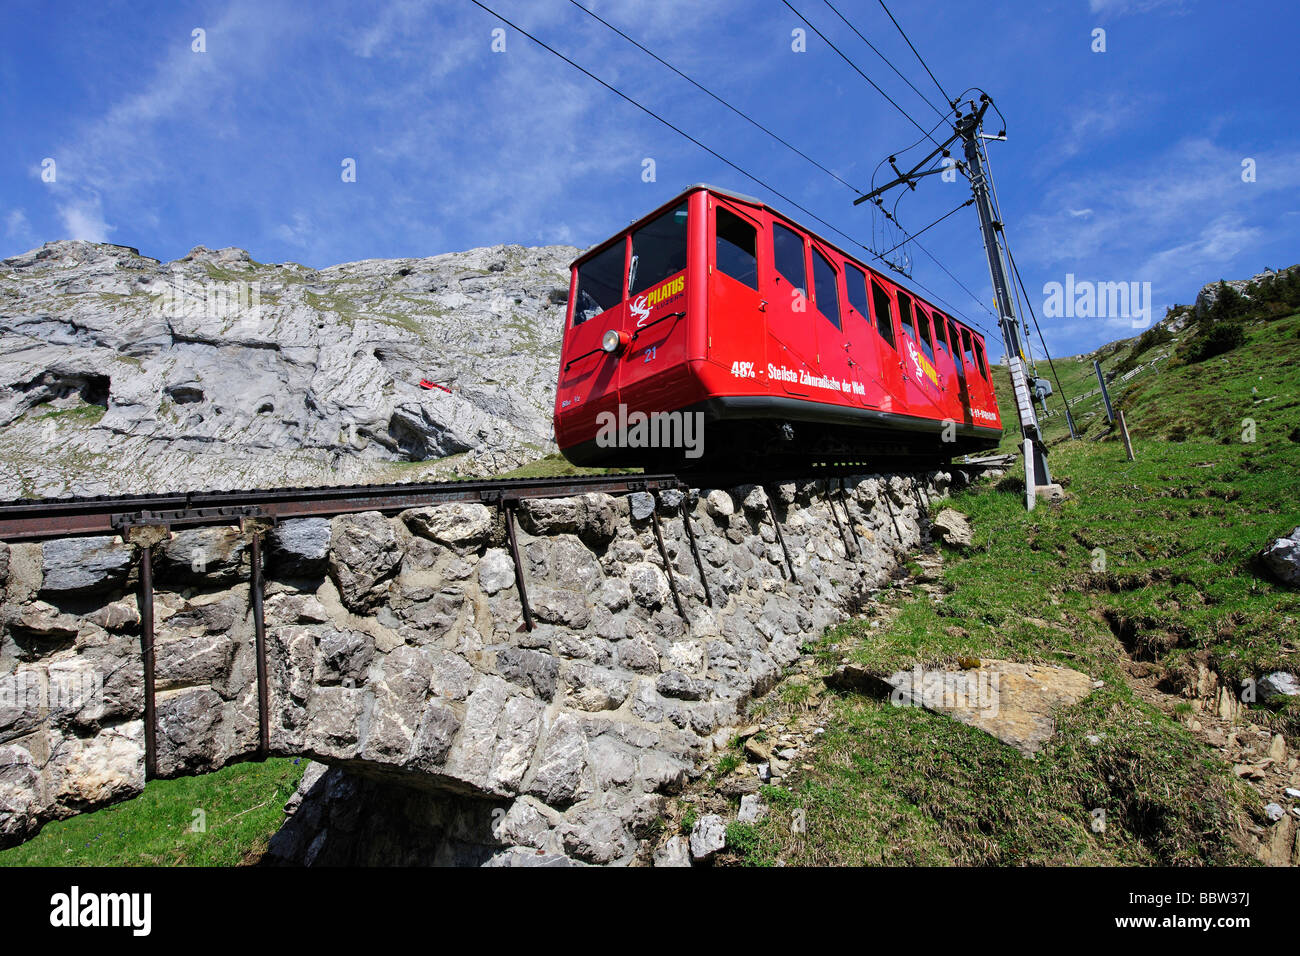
point(614, 341)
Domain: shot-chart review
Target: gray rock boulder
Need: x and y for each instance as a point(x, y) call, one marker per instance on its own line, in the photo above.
point(364, 554)
point(85, 565)
point(952, 528)
point(299, 548)
point(203, 556)
point(708, 836)
point(462, 526)
point(1282, 558)
point(1277, 687)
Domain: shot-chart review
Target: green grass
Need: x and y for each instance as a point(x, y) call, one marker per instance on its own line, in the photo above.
point(555, 466)
point(1153, 559)
point(243, 804)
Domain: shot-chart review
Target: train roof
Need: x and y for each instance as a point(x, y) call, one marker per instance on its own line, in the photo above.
point(755, 201)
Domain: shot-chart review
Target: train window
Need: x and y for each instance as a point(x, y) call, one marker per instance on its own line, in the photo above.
point(658, 250)
point(970, 354)
point(855, 280)
point(905, 315)
point(955, 339)
point(827, 289)
point(884, 321)
point(787, 249)
point(979, 356)
point(736, 244)
point(600, 284)
point(940, 331)
point(923, 325)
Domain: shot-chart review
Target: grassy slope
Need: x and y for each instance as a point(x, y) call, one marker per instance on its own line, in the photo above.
point(243, 806)
point(1179, 529)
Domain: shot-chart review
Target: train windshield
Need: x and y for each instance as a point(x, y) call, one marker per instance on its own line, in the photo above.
point(658, 250)
point(600, 284)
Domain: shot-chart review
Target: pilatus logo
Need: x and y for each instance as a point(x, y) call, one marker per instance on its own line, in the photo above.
point(641, 306)
point(923, 367)
point(640, 310)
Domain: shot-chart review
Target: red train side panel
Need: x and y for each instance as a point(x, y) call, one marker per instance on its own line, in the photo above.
point(718, 304)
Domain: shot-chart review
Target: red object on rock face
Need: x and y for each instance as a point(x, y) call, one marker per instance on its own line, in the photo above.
point(789, 347)
point(425, 383)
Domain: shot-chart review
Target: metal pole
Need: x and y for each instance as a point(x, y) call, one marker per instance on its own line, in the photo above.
point(147, 651)
point(508, 506)
point(1123, 430)
point(1036, 471)
point(1105, 395)
point(259, 632)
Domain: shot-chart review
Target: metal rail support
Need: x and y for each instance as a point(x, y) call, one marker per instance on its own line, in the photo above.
point(889, 506)
point(663, 553)
point(1105, 392)
point(508, 506)
point(147, 652)
point(848, 516)
point(771, 510)
point(830, 501)
point(699, 564)
point(259, 631)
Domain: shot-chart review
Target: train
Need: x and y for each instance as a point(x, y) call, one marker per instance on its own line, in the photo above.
point(716, 332)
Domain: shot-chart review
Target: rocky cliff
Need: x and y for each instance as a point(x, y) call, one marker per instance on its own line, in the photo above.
point(121, 374)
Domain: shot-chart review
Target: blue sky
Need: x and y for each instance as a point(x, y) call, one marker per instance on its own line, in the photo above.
point(1120, 166)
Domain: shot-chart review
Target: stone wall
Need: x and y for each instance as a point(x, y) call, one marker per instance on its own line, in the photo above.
point(396, 653)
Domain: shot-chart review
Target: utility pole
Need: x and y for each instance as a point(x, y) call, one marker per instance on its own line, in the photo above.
point(1036, 471)
point(967, 129)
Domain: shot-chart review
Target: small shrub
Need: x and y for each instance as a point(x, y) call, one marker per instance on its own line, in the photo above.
point(1219, 338)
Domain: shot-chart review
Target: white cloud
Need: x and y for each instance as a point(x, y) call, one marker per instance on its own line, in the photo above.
point(17, 226)
point(84, 219)
point(1121, 7)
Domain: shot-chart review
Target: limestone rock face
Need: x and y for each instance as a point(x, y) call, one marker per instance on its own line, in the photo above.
point(119, 373)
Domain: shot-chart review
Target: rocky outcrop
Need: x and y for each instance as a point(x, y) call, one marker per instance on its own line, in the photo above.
point(119, 372)
point(397, 655)
point(1282, 558)
point(1209, 293)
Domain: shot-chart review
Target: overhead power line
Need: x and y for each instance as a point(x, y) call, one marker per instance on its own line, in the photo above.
point(946, 97)
point(676, 129)
point(887, 61)
point(857, 69)
point(739, 112)
point(744, 172)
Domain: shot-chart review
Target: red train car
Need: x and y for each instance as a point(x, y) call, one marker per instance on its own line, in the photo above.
point(716, 330)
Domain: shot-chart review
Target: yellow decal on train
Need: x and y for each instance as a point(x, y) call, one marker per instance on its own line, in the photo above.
point(923, 366)
point(666, 291)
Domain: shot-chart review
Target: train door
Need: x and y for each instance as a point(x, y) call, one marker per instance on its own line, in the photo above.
point(959, 389)
point(920, 380)
point(792, 337)
point(655, 316)
point(833, 381)
point(889, 362)
point(933, 328)
point(862, 340)
point(974, 379)
point(737, 340)
point(589, 375)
